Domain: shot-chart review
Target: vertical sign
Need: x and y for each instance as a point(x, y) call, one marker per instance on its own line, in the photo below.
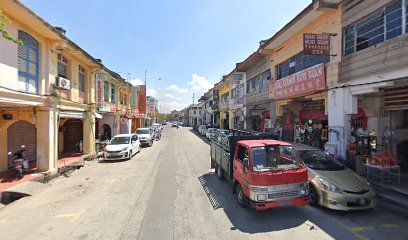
point(99, 82)
point(142, 99)
point(316, 44)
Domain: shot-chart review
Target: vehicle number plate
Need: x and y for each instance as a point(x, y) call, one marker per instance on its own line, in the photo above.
point(284, 203)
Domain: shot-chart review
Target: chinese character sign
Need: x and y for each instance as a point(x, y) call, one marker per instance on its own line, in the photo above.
point(99, 82)
point(142, 99)
point(316, 44)
point(307, 81)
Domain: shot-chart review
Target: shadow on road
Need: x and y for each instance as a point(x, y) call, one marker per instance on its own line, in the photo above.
point(248, 220)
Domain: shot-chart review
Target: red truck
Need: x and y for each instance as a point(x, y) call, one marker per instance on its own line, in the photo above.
point(264, 173)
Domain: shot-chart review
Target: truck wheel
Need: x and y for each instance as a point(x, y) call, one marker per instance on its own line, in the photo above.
point(242, 199)
point(220, 173)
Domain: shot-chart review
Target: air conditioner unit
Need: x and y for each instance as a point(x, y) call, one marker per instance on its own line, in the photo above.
point(63, 83)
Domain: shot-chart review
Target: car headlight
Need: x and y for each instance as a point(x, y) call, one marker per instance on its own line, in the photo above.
point(125, 149)
point(261, 197)
point(329, 186)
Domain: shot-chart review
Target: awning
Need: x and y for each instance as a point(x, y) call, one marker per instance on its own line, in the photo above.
point(97, 115)
point(72, 114)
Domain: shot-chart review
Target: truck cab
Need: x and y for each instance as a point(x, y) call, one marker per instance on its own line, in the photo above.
point(264, 173)
point(268, 174)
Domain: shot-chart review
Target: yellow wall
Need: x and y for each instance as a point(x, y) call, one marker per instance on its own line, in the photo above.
point(225, 88)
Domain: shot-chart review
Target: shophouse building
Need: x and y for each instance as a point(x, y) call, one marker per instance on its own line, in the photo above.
point(257, 71)
point(47, 93)
point(369, 104)
point(300, 80)
point(223, 90)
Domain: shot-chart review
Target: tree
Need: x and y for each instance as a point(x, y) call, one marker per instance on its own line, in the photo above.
point(4, 20)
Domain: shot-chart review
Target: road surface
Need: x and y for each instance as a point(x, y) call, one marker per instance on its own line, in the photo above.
point(168, 191)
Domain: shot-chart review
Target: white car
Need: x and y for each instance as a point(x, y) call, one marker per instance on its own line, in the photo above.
point(122, 146)
point(146, 136)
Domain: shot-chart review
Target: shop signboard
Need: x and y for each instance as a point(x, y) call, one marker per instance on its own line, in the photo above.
point(100, 79)
point(239, 78)
point(142, 99)
point(316, 44)
point(236, 103)
point(304, 82)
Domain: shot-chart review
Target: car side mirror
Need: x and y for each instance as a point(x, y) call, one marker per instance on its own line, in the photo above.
point(246, 164)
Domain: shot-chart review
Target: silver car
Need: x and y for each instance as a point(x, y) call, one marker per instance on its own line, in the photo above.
point(332, 184)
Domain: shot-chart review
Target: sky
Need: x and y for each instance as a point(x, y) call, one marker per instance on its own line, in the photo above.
point(185, 46)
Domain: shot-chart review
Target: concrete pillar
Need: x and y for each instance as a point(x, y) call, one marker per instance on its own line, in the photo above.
point(129, 125)
point(341, 104)
point(89, 133)
point(47, 142)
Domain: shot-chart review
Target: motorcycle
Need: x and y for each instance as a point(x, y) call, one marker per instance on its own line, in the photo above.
point(20, 161)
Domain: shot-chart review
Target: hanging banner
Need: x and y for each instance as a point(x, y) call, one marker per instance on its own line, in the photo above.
point(142, 99)
point(307, 81)
point(316, 44)
point(100, 79)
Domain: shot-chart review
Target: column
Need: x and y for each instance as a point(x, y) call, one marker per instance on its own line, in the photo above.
point(89, 133)
point(47, 140)
point(341, 103)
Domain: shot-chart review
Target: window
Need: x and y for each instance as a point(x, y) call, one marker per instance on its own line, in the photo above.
point(62, 66)
point(81, 78)
point(199, 112)
point(242, 153)
point(379, 26)
point(233, 93)
point(195, 112)
point(106, 91)
point(298, 63)
point(125, 100)
point(258, 82)
point(112, 100)
point(224, 97)
point(28, 63)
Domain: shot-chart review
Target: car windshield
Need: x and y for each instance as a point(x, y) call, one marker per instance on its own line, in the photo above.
point(274, 158)
point(319, 160)
point(120, 140)
point(142, 131)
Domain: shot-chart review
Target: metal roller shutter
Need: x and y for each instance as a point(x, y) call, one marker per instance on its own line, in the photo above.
point(22, 133)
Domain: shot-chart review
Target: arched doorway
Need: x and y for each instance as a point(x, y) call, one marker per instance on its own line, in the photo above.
point(106, 132)
point(22, 133)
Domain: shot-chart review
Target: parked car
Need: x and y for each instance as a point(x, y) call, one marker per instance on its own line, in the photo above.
point(156, 132)
point(122, 146)
point(146, 136)
point(220, 134)
point(202, 129)
point(332, 184)
point(210, 133)
point(174, 124)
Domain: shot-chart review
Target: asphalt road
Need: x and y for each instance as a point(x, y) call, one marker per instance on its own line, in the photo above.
point(168, 191)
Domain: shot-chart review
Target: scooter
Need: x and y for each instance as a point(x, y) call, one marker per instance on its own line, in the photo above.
point(20, 161)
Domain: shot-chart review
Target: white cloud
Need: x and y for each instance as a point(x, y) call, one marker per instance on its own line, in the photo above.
point(151, 92)
point(136, 82)
point(168, 106)
point(177, 89)
point(168, 95)
point(200, 84)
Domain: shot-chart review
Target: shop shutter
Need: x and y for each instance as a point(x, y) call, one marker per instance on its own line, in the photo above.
point(73, 134)
point(22, 133)
point(396, 98)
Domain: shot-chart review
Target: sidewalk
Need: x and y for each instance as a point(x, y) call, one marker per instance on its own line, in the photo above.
point(8, 179)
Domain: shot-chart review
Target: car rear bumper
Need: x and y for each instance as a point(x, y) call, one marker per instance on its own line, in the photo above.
point(284, 203)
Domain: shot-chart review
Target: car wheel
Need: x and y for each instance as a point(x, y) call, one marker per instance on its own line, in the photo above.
point(151, 143)
point(220, 173)
point(313, 196)
point(242, 199)
point(130, 155)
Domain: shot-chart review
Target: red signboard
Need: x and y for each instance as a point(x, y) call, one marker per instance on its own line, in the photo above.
point(99, 80)
point(316, 44)
point(142, 99)
point(307, 81)
point(151, 110)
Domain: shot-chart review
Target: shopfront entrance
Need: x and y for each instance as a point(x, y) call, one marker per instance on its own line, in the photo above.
point(72, 137)
point(22, 133)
